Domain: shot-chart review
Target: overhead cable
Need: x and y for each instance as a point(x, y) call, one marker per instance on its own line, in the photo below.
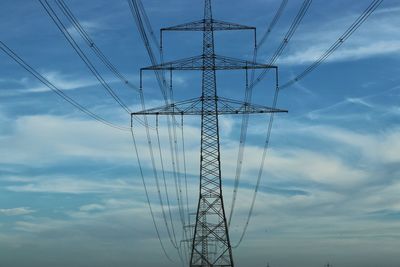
point(356, 24)
point(55, 89)
point(249, 91)
point(147, 195)
point(53, 15)
point(136, 12)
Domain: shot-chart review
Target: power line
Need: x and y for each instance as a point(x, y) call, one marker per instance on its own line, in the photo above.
point(90, 42)
point(185, 169)
point(265, 36)
point(276, 18)
point(53, 15)
point(148, 24)
point(176, 150)
point(245, 117)
point(293, 27)
point(356, 24)
point(211, 243)
point(92, 45)
point(172, 235)
point(174, 243)
point(361, 19)
point(137, 7)
point(55, 89)
point(155, 173)
point(261, 169)
point(171, 98)
point(147, 195)
point(249, 91)
point(136, 12)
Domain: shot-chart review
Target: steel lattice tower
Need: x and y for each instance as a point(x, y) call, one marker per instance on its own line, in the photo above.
point(210, 244)
point(211, 226)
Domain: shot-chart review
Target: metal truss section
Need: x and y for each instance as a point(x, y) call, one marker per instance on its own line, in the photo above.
point(193, 106)
point(210, 245)
point(220, 63)
point(216, 25)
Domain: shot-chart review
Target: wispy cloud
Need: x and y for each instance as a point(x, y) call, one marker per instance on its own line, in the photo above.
point(369, 102)
point(90, 26)
point(71, 186)
point(354, 52)
point(359, 101)
point(16, 211)
point(377, 37)
point(62, 81)
point(91, 208)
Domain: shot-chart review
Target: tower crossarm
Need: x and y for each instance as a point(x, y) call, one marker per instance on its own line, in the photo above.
point(221, 63)
point(217, 25)
point(193, 106)
point(204, 24)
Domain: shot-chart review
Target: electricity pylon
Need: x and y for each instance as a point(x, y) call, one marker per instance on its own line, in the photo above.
point(211, 245)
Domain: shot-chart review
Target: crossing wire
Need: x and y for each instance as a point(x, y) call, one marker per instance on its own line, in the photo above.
point(53, 15)
point(249, 91)
point(356, 24)
point(55, 89)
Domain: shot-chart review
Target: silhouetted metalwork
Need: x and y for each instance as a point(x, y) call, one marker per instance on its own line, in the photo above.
point(195, 107)
point(210, 244)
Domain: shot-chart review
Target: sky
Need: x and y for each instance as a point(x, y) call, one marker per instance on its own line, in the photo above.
point(70, 187)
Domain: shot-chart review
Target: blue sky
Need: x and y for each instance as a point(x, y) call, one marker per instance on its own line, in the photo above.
point(70, 190)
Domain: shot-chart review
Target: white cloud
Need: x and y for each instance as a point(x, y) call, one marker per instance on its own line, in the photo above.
point(378, 148)
point(71, 186)
point(332, 186)
point(360, 101)
point(382, 103)
point(91, 27)
point(376, 37)
point(62, 81)
point(46, 139)
point(16, 211)
point(354, 52)
point(91, 207)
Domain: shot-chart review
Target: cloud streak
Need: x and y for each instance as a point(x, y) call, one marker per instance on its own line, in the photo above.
point(16, 211)
point(377, 37)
